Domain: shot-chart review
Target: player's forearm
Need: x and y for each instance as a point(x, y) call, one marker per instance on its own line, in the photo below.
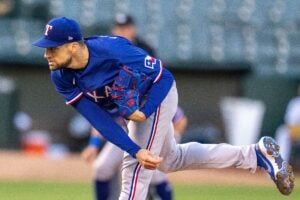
point(109, 129)
point(157, 93)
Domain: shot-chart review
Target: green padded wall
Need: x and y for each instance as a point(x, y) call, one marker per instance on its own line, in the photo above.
point(275, 91)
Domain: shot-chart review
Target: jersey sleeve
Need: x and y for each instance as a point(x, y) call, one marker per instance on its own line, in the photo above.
point(135, 57)
point(108, 128)
point(138, 59)
point(64, 84)
point(157, 92)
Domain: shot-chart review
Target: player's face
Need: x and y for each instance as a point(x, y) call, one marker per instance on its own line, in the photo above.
point(127, 31)
point(58, 57)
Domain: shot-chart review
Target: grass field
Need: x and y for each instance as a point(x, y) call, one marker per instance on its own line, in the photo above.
point(230, 192)
point(37, 178)
point(27, 190)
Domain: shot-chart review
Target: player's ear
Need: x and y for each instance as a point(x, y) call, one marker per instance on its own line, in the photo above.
point(74, 46)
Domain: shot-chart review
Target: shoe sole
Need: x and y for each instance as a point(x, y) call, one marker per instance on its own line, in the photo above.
point(284, 177)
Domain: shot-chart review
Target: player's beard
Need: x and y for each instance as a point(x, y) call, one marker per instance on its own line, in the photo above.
point(65, 64)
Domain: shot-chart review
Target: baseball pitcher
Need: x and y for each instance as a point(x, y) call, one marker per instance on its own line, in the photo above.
point(107, 76)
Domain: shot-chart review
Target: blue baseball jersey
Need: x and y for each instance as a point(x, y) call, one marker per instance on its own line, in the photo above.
point(91, 85)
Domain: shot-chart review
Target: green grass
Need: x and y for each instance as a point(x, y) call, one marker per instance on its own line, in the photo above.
point(231, 192)
point(83, 191)
point(44, 191)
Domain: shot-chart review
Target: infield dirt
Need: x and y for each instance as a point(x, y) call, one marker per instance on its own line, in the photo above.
point(19, 166)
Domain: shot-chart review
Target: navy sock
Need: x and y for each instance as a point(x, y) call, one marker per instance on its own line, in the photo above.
point(164, 190)
point(101, 189)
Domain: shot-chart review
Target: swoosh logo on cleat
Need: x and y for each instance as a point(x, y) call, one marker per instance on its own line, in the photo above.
point(269, 168)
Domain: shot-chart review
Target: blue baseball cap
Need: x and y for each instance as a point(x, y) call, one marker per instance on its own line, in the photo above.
point(59, 31)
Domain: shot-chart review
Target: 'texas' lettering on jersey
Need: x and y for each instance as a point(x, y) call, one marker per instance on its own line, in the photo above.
point(102, 97)
point(100, 94)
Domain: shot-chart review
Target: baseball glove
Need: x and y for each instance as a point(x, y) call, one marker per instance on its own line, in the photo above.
point(128, 89)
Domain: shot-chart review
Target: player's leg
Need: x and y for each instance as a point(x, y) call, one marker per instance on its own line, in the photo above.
point(135, 178)
point(150, 135)
point(105, 167)
point(196, 156)
point(281, 172)
point(160, 186)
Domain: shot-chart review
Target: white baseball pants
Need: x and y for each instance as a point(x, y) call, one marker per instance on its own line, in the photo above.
point(157, 135)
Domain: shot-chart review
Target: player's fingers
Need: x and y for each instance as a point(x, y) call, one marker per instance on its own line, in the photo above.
point(148, 160)
point(152, 162)
point(150, 166)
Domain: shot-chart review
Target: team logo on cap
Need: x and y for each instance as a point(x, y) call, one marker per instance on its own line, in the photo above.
point(48, 28)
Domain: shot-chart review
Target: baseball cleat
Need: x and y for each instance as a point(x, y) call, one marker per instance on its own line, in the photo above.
point(281, 172)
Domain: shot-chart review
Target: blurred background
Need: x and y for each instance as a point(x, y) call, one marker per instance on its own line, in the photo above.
point(236, 63)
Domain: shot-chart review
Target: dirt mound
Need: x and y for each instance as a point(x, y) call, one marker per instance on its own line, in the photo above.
point(19, 166)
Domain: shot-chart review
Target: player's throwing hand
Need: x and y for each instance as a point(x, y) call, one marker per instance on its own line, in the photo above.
point(89, 153)
point(148, 160)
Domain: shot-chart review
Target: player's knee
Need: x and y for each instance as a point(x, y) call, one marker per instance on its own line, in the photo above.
point(101, 172)
point(102, 175)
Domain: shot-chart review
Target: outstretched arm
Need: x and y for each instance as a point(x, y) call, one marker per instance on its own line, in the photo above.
point(114, 133)
point(105, 124)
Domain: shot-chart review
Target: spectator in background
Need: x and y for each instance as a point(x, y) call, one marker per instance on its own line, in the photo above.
point(289, 131)
point(124, 26)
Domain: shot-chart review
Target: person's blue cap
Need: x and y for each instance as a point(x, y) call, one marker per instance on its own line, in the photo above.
point(59, 31)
